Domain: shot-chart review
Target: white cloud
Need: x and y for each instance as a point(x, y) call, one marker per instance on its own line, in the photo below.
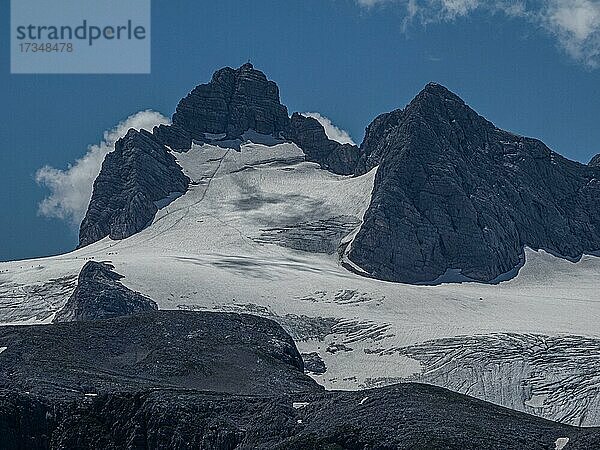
point(332, 132)
point(71, 189)
point(575, 24)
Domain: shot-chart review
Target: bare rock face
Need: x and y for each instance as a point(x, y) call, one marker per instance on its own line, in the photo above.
point(173, 136)
point(595, 161)
point(308, 134)
point(455, 193)
point(140, 172)
point(99, 295)
point(234, 101)
point(219, 352)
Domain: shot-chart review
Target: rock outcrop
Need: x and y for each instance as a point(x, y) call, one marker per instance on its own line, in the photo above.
point(173, 137)
point(100, 295)
point(308, 134)
point(454, 194)
point(234, 101)
point(137, 174)
point(220, 352)
point(595, 161)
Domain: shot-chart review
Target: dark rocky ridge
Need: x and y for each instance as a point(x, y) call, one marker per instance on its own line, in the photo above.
point(172, 379)
point(222, 352)
point(99, 295)
point(454, 192)
point(138, 173)
point(173, 136)
point(308, 134)
point(595, 161)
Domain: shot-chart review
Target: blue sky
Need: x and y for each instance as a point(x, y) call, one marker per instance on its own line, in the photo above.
point(527, 67)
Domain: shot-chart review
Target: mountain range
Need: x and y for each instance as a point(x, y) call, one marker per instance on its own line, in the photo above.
point(244, 281)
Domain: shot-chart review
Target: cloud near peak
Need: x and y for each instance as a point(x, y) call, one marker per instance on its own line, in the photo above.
point(71, 188)
point(575, 24)
point(334, 133)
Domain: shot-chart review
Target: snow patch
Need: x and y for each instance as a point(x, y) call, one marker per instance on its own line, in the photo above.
point(561, 443)
point(160, 204)
point(2, 349)
point(536, 401)
point(215, 136)
point(298, 405)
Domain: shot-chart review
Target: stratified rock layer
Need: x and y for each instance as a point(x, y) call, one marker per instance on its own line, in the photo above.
point(99, 295)
point(137, 174)
point(455, 193)
point(173, 136)
point(235, 100)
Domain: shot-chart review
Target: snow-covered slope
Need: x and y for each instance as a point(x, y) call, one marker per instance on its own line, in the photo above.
point(259, 231)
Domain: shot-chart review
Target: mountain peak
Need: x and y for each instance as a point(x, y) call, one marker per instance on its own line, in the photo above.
point(233, 102)
point(453, 192)
point(434, 93)
point(246, 66)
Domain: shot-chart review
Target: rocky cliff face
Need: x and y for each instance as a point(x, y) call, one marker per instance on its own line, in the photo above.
point(455, 193)
point(234, 101)
point(99, 295)
point(140, 172)
point(308, 134)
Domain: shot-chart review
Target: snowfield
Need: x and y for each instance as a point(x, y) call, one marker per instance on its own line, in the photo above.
point(259, 231)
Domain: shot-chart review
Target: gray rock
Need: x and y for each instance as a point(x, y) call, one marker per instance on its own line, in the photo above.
point(140, 172)
point(308, 134)
point(234, 101)
point(595, 161)
point(407, 416)
point(100, 295)
point(221, 352)
point(173, 136)
point(313, 363)
point(455, 193)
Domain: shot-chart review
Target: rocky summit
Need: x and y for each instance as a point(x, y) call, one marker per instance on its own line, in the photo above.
point(456, 196)
point(234, 101)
